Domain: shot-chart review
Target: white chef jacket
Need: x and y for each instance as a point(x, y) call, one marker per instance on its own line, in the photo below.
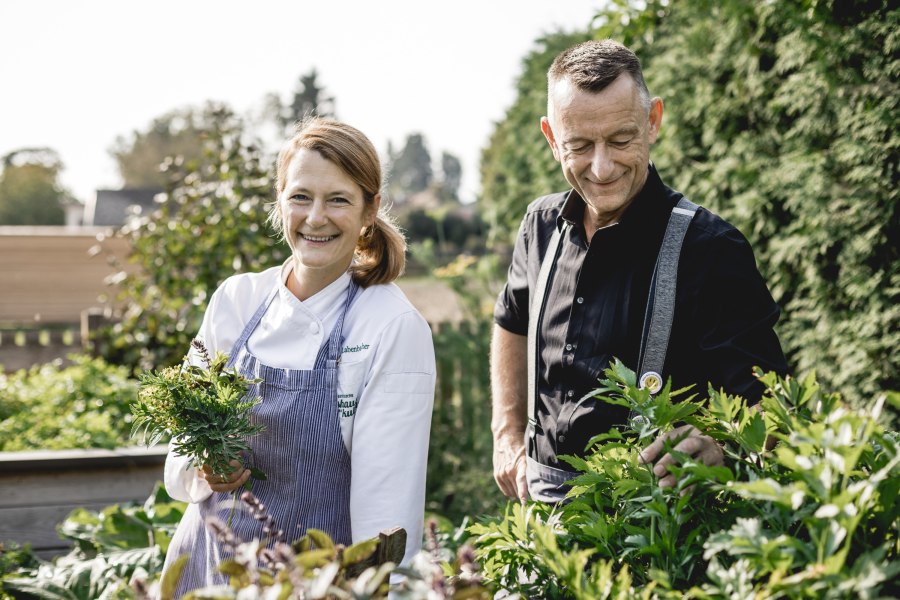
point(385, 387)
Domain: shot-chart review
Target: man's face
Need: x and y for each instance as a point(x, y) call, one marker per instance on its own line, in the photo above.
point(602, 140)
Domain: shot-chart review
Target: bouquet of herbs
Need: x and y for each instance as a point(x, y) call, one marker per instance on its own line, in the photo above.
point(206, 411)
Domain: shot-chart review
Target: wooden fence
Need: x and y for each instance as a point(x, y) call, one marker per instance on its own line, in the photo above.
point(39, 489)
point(52, 274)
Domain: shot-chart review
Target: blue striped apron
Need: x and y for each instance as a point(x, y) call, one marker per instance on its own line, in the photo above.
point(301, 451)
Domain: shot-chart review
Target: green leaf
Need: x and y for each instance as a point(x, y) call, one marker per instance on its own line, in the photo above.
point(232, 568)
point(753, 433)
point(170, 579)
point(359, 552)
point(313, 559)
point(320, 539)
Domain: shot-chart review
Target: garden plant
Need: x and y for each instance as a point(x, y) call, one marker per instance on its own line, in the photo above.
point(805, 505)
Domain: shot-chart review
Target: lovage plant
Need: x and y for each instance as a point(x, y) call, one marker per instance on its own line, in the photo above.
point(804, 506)
point(206, 411)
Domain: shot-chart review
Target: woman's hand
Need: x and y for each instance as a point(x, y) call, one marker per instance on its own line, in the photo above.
point(238, 477)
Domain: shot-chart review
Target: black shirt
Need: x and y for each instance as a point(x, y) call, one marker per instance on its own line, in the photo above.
point(724, 313)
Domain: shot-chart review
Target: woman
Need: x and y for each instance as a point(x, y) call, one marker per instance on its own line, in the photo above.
point(346, 362)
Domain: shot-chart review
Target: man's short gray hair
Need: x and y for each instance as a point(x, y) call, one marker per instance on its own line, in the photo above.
point(594, 65)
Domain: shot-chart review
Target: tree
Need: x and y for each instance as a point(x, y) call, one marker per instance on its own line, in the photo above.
point(211, 225)
point(309, 99)
point(451, 169)
point(516, 165)
point(410, 169)
point(780, 117)
point(30, 192)
point(784, 124)
point(178, 134)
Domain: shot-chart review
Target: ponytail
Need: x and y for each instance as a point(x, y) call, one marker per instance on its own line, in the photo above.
point(380, 253)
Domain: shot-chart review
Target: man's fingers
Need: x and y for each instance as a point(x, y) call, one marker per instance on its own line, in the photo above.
point(504, 481)
point(505, 489)
point(521, 481)
point(510, 478)
point(649, 454)
point(712, 455)
point(702, 448)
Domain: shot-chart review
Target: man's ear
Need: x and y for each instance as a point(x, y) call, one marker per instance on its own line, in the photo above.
point(656, 115)
point(548, 133)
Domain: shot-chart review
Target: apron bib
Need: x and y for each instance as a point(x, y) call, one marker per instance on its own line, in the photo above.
point(301, 451)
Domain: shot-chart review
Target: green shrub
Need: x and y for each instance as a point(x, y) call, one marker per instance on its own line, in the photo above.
point(110, 547)
point(48, 407)
point(817, 516)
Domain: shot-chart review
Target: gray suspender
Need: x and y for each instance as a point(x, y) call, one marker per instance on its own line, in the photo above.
point(661, 304)
point(536, 317)
point(657, 320)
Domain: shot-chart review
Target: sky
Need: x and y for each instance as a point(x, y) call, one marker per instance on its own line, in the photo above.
point(75, 75)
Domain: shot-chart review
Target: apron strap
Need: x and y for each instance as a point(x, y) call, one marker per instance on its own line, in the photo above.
point(661, 302)
point(330, 353)
point(250, 327)
point(535, 317)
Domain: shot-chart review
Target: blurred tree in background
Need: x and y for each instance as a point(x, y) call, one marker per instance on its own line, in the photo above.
point(178, 134)
point(451, 171)
point(30, 192)
point(211, 224)
point(410, 169)
point(781, 118)
point(309, 98)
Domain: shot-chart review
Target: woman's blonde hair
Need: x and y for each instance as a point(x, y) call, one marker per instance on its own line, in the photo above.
point(380, 255)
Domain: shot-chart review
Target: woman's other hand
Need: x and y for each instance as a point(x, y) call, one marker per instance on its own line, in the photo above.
point(238, 477)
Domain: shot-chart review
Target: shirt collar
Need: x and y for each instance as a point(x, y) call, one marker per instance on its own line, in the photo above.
point(645, 206)
point(319, 303)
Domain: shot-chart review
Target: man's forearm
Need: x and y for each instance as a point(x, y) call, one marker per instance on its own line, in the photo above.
point(509, 384)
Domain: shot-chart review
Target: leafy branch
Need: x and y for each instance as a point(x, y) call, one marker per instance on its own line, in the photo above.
point(206, 411)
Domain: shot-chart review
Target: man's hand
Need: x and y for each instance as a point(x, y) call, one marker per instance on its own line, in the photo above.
point(509, 467)
point(509, 390)
point(231, 482)
point(702, 448)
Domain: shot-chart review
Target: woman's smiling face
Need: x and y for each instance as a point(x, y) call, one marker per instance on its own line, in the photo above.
point(323, 214)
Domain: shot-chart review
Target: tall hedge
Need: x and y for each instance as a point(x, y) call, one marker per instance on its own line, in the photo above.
point(780, 117)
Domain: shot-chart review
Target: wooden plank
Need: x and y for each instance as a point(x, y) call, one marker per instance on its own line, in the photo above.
point(78, 487)
point(50, 273)
point(37, 525)
point(33, 461)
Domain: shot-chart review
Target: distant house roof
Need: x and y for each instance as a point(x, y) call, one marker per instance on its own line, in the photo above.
point(111, 207)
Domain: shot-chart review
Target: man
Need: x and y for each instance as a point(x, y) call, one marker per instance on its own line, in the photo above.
point(600, 124)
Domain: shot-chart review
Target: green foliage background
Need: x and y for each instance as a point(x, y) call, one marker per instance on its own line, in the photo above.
point(210, 225)
point(30, 192)
point(780, 116)
point(84, 405)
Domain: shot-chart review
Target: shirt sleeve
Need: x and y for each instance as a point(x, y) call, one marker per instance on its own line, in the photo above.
point(390, 434)
point(180, 477)
point(511, 309)
point(734, 316)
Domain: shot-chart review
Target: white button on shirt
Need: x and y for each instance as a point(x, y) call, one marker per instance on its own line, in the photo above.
point(385, 387)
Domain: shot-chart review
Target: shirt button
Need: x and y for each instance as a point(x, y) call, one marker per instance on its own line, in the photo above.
point(569, 347)
point(569, 359)
point(314, 327)
point(570, 393)
point(579, 300)
point(562, 437)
